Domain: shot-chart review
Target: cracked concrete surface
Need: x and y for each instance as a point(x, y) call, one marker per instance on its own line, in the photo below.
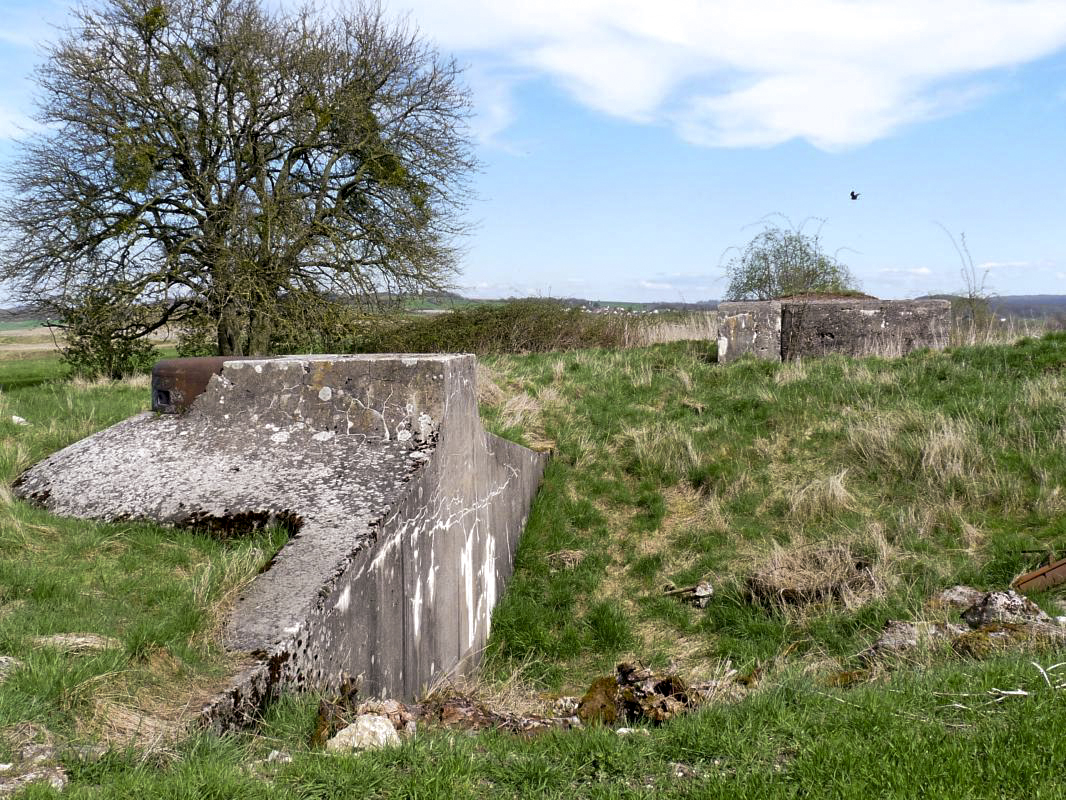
point(406, 513)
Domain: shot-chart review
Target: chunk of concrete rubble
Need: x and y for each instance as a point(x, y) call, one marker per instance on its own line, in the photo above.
point(402, 719)
point(994, 620)
point(14, 780)
point(900, 637)
point(1004, 607)
point(957, 597)
point(368, 732)
point(35, 760)
point(8, 664)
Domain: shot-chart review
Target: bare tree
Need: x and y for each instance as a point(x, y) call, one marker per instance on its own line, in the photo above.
point(785, 261)
point(215, 158)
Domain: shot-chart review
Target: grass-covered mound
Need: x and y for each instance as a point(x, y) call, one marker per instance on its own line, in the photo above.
point(820, 498)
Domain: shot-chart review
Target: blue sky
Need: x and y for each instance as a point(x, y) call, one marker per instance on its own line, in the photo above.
point(626, 145)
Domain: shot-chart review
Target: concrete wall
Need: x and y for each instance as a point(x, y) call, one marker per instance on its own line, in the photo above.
point(858, 327)
point(791, 329)
point(406, 513)
point(749, 328)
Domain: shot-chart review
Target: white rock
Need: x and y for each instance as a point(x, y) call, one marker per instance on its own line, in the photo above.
point(18, 420)
point(8, 664)
point(53, 776)
point(960, 597)
point(1004, 607)
point(367, 732)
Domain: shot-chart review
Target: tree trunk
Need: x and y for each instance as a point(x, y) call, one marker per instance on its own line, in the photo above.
point(229, 334)
point(260, 330)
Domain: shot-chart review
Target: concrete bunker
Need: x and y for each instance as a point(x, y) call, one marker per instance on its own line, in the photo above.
point(785, 330)
point(406, 512)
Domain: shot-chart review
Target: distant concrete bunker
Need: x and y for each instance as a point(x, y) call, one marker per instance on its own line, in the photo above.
point(786, 330)
point(406, 512)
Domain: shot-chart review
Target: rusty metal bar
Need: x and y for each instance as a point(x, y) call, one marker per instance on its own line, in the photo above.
point(176, 382)
point(1042, 578)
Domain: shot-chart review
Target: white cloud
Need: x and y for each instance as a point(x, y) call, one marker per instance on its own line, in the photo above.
point(901, 271)
point(837, 73)
point(1031, 265)
point(1002, 264)
point(681, 285)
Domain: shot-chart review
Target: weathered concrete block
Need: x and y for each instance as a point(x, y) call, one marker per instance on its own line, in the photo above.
point(749, 327)
point(801, 328)
point(862, 327)
point(406, 512)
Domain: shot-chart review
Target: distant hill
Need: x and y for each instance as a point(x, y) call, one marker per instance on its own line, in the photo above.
point(1031, 305)
point(1020, 305)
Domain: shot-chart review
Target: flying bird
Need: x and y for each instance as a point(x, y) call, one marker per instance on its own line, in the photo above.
point(855, 195)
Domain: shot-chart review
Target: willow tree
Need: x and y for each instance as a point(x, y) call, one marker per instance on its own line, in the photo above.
point(219, 159)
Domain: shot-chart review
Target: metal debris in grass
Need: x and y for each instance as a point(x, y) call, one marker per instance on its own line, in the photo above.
point(698, 595)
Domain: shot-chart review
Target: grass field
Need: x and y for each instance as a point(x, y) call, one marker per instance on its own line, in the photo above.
point(931, 470)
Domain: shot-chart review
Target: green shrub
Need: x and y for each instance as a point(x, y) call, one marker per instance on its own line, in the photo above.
point(314, 324)
point(106, 339)
point(781, 262)
point(198, 336)
point(519, 326)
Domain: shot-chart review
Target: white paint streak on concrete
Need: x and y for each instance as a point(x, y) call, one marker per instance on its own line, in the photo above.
point(416, 611)
point(489, 572)
point(425, 425)
point(466, 569)
point(344, 600)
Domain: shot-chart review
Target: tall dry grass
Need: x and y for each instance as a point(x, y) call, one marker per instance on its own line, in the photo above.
point(644, 331)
